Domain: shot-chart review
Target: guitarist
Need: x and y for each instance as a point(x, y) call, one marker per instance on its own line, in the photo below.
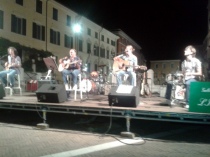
point(72, 70)
point(12, 67)
point(126, 64)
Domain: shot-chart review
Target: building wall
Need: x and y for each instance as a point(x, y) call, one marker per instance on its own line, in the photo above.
point(28, 12)
point(162, 68)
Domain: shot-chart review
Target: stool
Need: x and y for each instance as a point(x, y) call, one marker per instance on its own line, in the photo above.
point(15, 87)
point(76, 89)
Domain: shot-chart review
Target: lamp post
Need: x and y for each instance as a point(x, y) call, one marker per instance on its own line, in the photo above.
point(76, 30)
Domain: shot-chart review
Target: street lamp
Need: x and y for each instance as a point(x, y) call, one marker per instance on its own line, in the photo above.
point(76, 30)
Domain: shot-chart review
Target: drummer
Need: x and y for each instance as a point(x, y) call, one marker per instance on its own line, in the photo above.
point(191, 68)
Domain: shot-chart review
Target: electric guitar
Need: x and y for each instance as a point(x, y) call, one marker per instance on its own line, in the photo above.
point(120, 64)
point(66, 64)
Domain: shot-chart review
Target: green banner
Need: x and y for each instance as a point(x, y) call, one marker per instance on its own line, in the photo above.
point(200, 97)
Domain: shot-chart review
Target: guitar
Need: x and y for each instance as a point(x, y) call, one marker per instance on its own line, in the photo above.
point(6, 66)
point(146, 86)
point(66, 64)
point(142, 84)
point(120, 64)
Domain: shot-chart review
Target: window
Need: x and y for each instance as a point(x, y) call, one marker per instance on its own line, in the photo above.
point(1, 19)
point(38, 32)
point(156, 66)
point(112, 43)
point(54, 37)
point(96, 51)
point(89, 31)
point(172, 65)
point(68, 41)
point(88, 48)
point(68, 20)
point(107, 54)
point(102, 37)
point(96, 67)
point(96, 35)
point(20, 2)
point(102, 52)
point(163, 65)
point(18, 25)
point(80, 45)
point(107, 41)
point(39, 6)
point(55, 14)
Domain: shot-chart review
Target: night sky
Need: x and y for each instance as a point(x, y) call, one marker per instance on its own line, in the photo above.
point(161, 27)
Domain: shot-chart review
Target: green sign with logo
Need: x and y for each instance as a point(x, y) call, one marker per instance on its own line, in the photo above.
point(200, 97)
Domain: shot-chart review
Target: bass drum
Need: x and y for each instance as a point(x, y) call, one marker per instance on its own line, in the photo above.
point(180, 92)
point(88, 85)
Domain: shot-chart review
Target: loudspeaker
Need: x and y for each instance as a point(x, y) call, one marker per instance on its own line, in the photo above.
point(51, 93)
point(41, 82)
point(124, 96)
point(2, 92)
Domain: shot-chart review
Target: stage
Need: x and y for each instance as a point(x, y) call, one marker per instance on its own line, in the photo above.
point(148, 108)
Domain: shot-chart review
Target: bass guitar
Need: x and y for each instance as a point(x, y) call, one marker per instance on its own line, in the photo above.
point(66, 64)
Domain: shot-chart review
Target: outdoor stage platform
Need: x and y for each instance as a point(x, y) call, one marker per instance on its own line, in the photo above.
point(149, 108)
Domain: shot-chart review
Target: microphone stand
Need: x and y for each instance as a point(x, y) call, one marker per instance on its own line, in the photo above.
point(86, 80)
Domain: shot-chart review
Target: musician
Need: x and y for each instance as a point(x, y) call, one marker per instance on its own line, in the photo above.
point(12, 67)
point(72, 70)
point(191, 69)
point(127, 69)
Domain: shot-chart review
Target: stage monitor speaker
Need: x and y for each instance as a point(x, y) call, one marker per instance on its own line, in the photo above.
point(2, 92)
point(124, 96)
point(54, 93)
point(41, 82)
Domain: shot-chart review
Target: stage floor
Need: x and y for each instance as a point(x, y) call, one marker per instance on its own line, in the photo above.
point(148, 108)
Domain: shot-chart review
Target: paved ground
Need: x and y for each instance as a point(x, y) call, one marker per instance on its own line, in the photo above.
point(88, 136)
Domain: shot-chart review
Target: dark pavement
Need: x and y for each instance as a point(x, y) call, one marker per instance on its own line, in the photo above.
point(80, 135)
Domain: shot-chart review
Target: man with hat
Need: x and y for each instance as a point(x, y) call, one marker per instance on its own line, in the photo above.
point(191, 69)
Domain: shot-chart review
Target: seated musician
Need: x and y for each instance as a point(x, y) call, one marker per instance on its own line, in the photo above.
point(71, 67)
point(126, 64)
point(191, 68)
point(12, 67)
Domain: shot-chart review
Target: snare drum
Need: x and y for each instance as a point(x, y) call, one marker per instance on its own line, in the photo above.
point(169, 78)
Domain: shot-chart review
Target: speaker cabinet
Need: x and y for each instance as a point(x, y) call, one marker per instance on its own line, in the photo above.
point(54, 93)
point(2, 92)
point(124, 96)
point(41, 82)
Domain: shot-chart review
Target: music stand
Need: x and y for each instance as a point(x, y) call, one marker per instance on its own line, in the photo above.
point(51, 65)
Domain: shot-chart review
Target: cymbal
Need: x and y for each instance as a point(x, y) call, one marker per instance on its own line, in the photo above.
point(102, 65)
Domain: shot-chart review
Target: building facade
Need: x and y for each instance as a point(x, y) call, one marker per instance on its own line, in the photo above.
point(47, 25)
point(162, 68)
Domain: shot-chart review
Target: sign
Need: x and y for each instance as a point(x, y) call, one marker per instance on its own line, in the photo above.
point(200, 97)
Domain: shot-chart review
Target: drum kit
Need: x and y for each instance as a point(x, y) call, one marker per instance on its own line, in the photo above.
point(94, 82)
point(178, 88)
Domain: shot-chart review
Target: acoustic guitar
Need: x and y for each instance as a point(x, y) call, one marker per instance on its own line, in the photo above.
point(145, 89)
point(6, 66)
point(66, 64)
point(120, 64)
